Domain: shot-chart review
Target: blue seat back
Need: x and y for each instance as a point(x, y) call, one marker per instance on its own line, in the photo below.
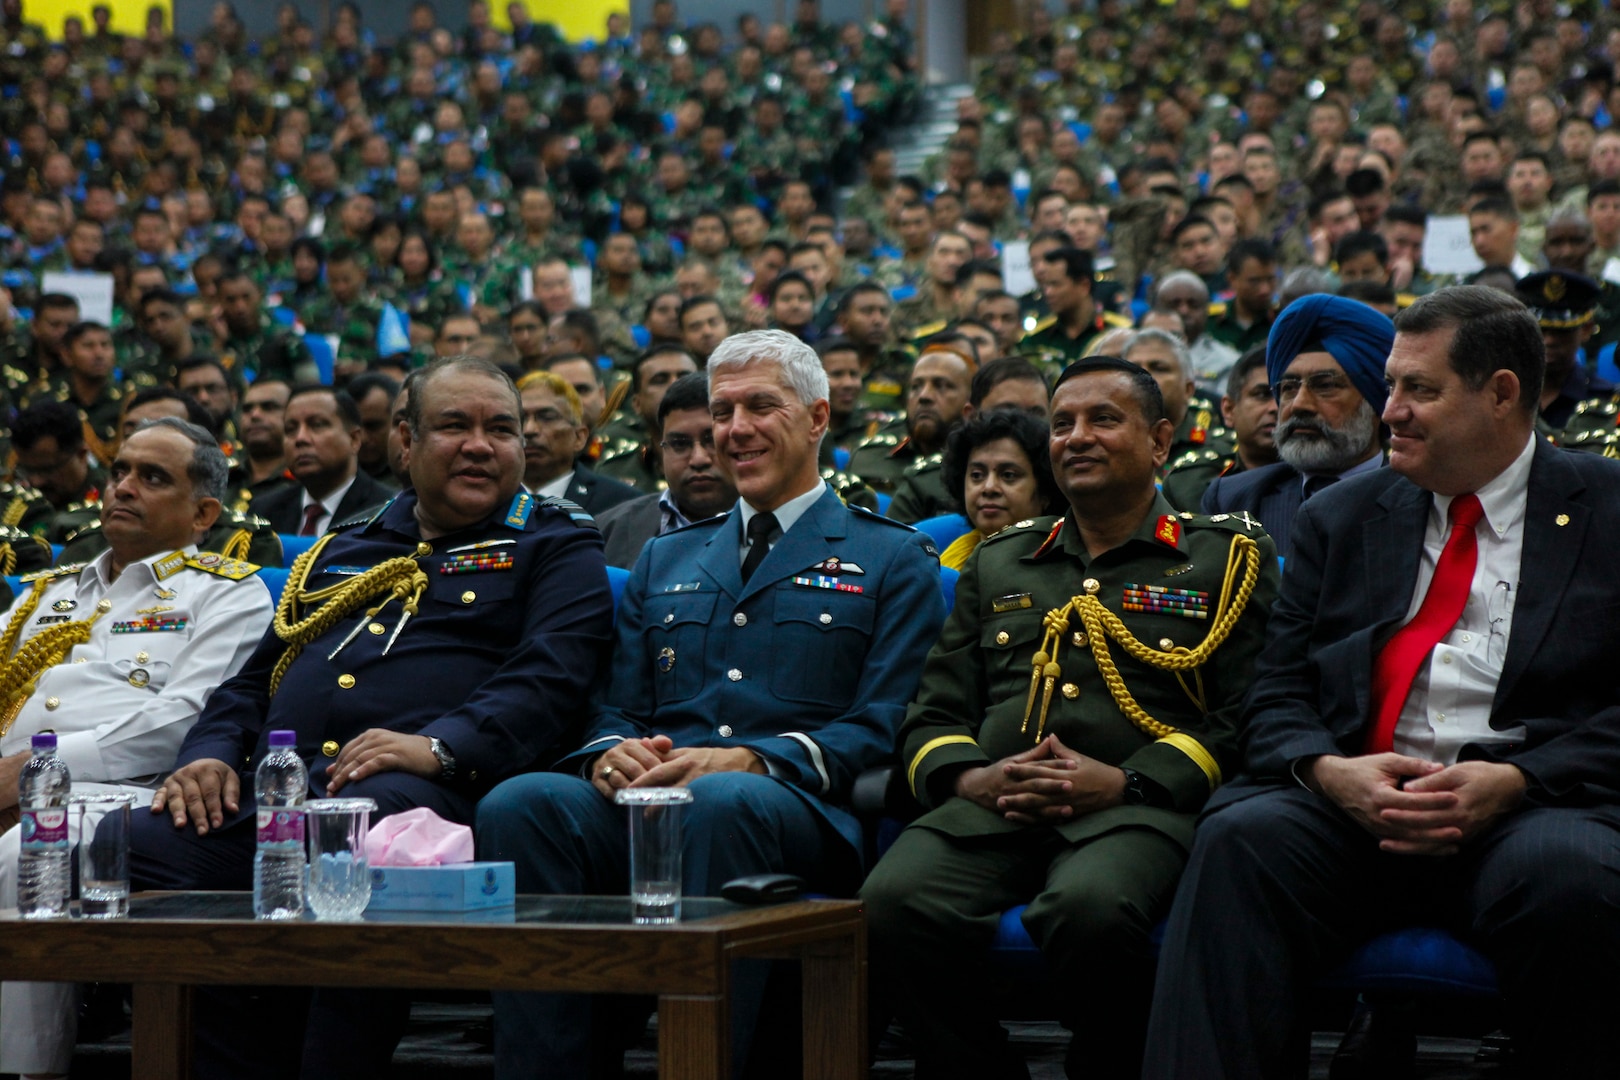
point(944, 529)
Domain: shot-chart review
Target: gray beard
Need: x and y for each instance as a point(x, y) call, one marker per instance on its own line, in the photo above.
point(1334, 450)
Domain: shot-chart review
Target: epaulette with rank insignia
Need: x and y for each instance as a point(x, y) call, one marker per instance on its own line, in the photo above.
point(1116, 321)
point(212, 562)
point(83, 530)
point(363, 518)
point(1242, 521)
point(880, 439)
point(875, 516)
point(925, 463)
point(1044, 324)
point(53, 572)
point(928, 329)
point(576, 513)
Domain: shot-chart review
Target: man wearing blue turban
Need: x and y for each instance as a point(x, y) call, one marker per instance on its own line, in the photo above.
point(1325, 359)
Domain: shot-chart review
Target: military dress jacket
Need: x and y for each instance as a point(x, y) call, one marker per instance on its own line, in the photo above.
point(1165, 584)
point(809, 665)
point(498, 660)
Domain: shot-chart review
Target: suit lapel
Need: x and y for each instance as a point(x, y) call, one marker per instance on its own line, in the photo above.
point(720, 559)
point(1554, 534)
point(1391, 546)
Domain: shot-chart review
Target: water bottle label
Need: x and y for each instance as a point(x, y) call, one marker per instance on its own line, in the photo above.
point(45, 828)
point(281, 826)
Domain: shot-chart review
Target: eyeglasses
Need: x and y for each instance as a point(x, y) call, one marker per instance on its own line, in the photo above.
point(1323, 384)
point(681, 445)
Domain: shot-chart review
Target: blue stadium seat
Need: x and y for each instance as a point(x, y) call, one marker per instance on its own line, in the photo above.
point(275, 579)
point(944, 529)
point(325, 357)
point(883, 502)
point(56, 552)
point(616, 579)
point(294, 546)
point(16, 583)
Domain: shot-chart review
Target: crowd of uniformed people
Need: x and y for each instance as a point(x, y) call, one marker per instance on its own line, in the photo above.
point(670, 307)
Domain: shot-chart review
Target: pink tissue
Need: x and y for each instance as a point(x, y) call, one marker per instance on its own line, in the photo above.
point(418, 838)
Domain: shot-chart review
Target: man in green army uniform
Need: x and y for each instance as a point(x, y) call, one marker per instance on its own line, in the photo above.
point(1082, 703)
point(907, 450)
point(1065, 278)
point(234, 535)
point(619, 286)
point(494, 283)
point(53, 458)
point(538, 234)
point(1244, 321)
point(347, 311)
point(33, 351)
point(628, 454)
point(86, 382)
point(934, 305)
point(166, 340)
point(255, 346)
point(1163, 356)
point(1250, 413)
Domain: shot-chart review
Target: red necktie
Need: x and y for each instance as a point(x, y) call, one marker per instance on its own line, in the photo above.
point(312, 514)
point(1397, 665)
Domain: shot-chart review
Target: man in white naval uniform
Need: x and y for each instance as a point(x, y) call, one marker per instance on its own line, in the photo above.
point(133, 644)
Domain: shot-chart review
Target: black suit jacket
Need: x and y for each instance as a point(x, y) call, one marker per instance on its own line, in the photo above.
point(1347, 589)
point(596, 493)
point(283, 508)
point(1272, 493)
point(626, 528)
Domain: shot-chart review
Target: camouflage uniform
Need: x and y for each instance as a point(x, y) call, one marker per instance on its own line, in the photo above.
point(272, 351)
point(354, 324)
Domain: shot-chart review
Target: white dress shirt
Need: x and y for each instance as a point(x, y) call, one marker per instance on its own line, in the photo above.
point(110, 728)
point(1450, 702)
point(329, 505)
point(786, 515)
point(553, 489)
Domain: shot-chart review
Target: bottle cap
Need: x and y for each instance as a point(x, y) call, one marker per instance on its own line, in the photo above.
point(45, 740)
point(283, 739)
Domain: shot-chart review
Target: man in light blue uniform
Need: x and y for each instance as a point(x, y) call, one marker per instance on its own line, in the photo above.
point(764, 659)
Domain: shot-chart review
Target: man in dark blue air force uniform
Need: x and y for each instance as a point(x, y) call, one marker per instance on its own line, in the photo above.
point(764, 659)
point(422, 655)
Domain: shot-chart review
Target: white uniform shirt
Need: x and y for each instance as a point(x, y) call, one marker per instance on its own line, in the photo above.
point(1450, 702)
point(121, 703)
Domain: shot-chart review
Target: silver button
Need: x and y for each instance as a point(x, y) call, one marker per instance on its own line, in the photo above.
point(670, 617)
point(725, 731)
point(1467, 638)
point(825, 618)
point(1439, 717)
point(740, 619)
point(1446, 659)
point(734, 675)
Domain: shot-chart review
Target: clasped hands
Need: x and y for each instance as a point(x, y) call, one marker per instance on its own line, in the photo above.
point(1046, 784)
point(657, 762)
point(1413, 806)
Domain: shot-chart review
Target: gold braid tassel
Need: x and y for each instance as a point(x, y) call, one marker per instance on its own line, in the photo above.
point(237, 546)
point(20, 673)
point(15, 509)
point(400, 577)
point(8, 559)
point(1101, 624)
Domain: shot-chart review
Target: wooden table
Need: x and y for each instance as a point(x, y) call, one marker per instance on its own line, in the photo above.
point(174, 941)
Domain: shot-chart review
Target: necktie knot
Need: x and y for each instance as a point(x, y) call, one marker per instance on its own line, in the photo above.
point(312, 514)
point(1466, 511)
point(760, 528)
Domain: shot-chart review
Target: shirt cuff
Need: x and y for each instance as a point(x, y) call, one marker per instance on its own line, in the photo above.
point(81, 754)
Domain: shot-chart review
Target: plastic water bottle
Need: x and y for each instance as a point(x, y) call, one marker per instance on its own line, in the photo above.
point(278, 866)
point(43, 874)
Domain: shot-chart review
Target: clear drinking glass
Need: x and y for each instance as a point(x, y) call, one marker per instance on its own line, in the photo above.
point(102, 819)
point(655, 851)
point(339, 878)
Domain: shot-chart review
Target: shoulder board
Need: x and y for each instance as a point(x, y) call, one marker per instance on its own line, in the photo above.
point(83, 530)
point(1194, 457)
point(873, 515)
point(78, 507)
point(20, 491)
point(1585, 405)
point(245, 519)
point(1045, 324)
point(67, 570)
point(708, 522)
point(212, 562)
point(1038, 528)
point(619, 448)
point(576, 513)
point(1114, 320)
point(880, 439)
point(928, 329)
point(1240, 522)
point(925, 464)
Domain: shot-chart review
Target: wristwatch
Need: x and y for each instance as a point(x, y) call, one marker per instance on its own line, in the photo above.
point(447, 760)
point(1136, 792)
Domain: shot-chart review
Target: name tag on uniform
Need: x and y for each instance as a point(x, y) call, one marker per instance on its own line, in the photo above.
point(346, 571)
point(685, 586)
point(1012, 602)
point(52, 619)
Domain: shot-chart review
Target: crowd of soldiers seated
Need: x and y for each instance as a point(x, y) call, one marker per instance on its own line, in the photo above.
point(1194, 223)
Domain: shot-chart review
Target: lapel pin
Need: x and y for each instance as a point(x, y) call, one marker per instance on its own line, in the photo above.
point(1562, 519)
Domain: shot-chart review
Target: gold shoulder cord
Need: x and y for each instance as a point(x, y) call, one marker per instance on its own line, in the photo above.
point(1101, 624)
point(15, 510)
point(43, 651)
point(238, 545)
point(8, 559)
point(400, 577)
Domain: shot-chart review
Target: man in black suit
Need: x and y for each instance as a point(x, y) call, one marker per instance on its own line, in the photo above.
point(554, 433)
point(1433, 734)
point(697, 489)
point(322, 427)
point(1325, 360)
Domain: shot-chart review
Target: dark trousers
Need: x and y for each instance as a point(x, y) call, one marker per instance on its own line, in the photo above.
point(1283, 885)
point(933, 903)
point(348, 1032)
point(566, 838)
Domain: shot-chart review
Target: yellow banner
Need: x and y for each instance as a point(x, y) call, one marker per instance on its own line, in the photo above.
point(128, 16)
point(577, 19)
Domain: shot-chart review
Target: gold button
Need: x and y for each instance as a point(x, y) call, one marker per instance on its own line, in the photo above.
point(329, 748)
point(1166, 644)
point(377, 628)
point(468, 597)
point(51, 702)
point(1071, 691)
point(1562, 519)
point(346, 681)
point(1091, 585)
point(1002, 638)
point(1079, 639)
point(104, 606)
point(142, 657)
point(424, 548)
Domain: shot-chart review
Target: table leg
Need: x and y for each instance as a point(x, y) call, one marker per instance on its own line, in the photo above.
point(694, 1037)
point(161, 1041)
point(834, 982)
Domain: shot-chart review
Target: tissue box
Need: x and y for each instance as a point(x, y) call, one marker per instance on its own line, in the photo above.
point(474, 886)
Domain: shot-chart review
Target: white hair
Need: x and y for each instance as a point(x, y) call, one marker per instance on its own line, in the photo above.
point(1173, 341)
point(1180, 277)
point(801, 367)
